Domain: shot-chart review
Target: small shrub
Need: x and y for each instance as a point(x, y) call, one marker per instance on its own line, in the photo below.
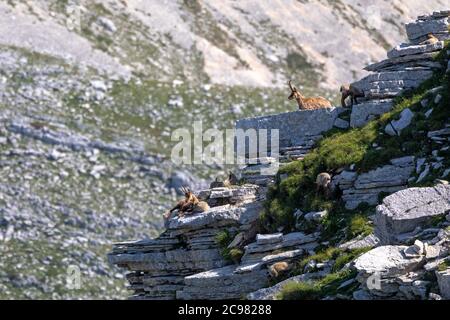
point(313, 290)
point(236, 255)
point(359, 225)
point(223, 239)
point(299, 291)
point(444, 265)
point(346, 257)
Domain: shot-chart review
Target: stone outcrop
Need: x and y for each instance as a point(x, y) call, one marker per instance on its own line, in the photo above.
point(188, 246)
point(437, 24)
point(398, 271)
point(186, 262)
point(405, 68)
point(366, 187)
point(364, 112)
point(404, 211)
point(395, 127)
point(297, 128)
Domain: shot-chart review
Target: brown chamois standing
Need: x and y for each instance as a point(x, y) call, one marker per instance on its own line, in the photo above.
point(304, 103)
point(352, 91)
point(323, 182)
point(431, 39)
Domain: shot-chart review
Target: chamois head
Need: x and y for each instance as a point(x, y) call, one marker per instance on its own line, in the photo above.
point(295, 94)
point(186, 191)
point(344, 88)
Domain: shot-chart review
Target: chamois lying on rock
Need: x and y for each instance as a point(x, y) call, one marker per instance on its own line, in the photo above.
point(323, 183)
point(431, 39)
point(304, 103)
point(279, 268)
point(350, 90)
point(190, 204)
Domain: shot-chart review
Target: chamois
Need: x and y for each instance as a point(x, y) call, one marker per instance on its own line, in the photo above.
point(307, 103)
point(190, 204)
point(232, 180)
point(323, 182)
point(278, 268)
point(431, 39)
point(352, 91)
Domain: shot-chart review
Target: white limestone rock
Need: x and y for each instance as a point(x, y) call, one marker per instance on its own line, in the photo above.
point(361, 242)
point(316, 216)
point(297, 128)
point(405, 210)
point(395, 127)
point(269, 238)
point(407, 49)
point(418, 29)
point(368, 110)
point(388, 261)
point(369, 185)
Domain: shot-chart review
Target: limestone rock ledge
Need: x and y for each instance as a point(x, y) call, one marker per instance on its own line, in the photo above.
point(158, 266)
point(404, 211)
point(185, 262)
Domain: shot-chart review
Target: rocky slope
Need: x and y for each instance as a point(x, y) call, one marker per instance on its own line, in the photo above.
point(402, 252)
point(90, 92)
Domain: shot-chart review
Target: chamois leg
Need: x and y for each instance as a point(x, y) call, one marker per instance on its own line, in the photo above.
point(343, 104)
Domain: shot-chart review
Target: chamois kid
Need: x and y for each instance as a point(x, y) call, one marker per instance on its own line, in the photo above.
point(323, 183)
point(348, 90)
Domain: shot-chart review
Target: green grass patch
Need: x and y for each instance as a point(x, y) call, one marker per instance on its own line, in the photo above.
point(444, 265)
point(314, 290)
point(223, 239)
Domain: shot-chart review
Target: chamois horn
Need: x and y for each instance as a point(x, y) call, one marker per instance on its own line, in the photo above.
point(290, 86)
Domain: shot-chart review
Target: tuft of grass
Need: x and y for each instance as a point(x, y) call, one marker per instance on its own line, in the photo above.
point(314, 290)
point(359, 225)
point(348, 256)
point(444, 265)
point(299, 291)
point(223, 239)
point(236, 255)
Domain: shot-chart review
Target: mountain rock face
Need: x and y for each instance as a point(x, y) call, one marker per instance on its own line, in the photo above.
point(408, 242)
point(406, 66)
point(244, 43)
point(91, 92)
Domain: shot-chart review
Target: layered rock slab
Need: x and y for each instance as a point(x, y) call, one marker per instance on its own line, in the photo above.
point(405, 210)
